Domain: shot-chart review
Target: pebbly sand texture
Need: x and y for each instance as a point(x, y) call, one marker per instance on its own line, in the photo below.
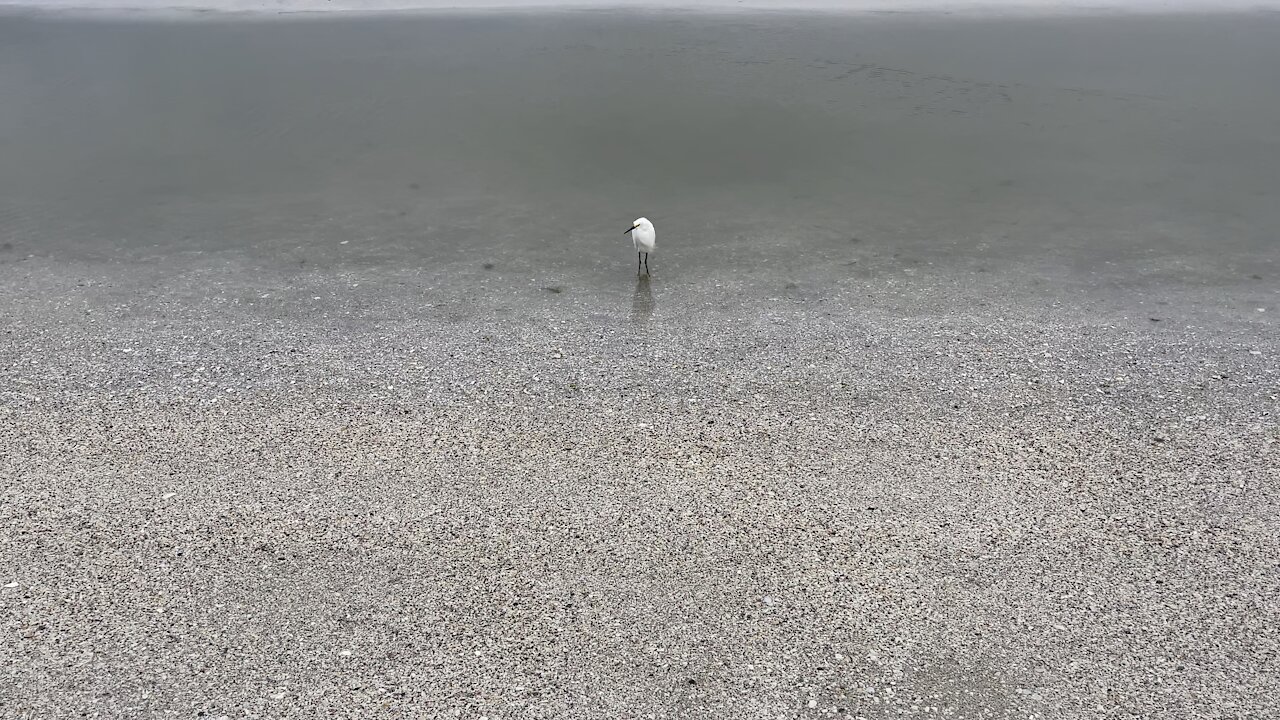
point(957, 400)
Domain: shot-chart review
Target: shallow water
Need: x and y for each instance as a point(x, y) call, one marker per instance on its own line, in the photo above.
point(781, 153)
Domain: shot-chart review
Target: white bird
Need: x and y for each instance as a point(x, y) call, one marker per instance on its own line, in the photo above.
point(645, 240)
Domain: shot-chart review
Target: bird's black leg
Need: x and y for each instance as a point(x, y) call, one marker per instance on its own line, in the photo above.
point(646, 263)
point(638, 255)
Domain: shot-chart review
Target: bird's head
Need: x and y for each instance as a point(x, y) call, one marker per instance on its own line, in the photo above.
point(640, 224)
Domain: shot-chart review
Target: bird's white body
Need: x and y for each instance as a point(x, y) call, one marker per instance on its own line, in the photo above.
point(643, 236)
point(645, 241)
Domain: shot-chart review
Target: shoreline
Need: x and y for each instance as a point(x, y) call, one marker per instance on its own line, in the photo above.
point(329, 387)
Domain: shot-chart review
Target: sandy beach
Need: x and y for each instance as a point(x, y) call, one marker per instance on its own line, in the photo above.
point(327, 388)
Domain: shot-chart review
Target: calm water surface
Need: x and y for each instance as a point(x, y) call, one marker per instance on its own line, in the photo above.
point(826, 149)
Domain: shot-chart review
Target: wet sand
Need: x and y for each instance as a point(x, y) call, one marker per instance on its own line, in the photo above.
point(328, 388)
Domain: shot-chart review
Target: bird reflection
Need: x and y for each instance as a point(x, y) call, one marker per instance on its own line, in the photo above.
point(642, 301)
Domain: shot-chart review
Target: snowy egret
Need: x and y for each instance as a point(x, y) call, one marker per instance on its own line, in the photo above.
point(645, 240)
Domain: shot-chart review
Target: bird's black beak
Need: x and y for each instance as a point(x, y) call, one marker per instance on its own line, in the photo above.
point(633, 227)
